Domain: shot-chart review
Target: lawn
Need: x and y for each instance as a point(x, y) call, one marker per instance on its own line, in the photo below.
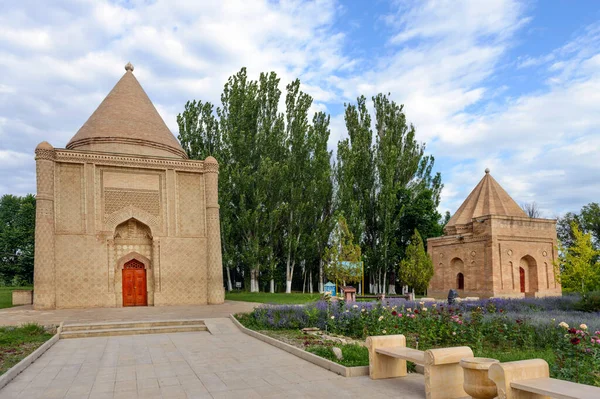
point(6, 295)
point(265, 297)
point(16, 343)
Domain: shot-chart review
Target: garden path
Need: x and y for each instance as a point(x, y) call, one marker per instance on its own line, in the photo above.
point(222, 364)
point(25, 314)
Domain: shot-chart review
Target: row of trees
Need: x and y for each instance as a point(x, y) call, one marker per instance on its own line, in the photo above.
point(281, 193)
point(17, 233)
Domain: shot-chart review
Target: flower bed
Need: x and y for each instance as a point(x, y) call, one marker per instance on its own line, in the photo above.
point(505, 329)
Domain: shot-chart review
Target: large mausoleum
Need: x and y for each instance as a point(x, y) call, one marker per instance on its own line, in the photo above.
point(491, 248)
point(123, 217)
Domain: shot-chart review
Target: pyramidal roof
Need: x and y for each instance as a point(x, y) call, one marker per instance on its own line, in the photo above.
point(487, 198)
point(127, 117)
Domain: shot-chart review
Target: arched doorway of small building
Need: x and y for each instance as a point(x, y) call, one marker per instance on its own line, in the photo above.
point(134, 284)
point(457, 267)
point(133, 278)
point(460, 281)
point(528, 275)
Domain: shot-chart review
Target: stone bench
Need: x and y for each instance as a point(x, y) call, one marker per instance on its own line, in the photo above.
point(530, 379)
point(443, 375)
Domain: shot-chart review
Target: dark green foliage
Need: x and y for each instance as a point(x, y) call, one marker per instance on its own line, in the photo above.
point(590, 302)
point(278, 192)
point(588, 221)
point(386, 189)
point(17, 236)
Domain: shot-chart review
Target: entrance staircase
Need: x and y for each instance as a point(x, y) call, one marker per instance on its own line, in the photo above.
point(131, 328)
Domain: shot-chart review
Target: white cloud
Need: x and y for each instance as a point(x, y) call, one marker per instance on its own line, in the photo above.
point(442, 60)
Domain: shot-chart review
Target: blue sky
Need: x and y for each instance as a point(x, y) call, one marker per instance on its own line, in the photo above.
point(509, 85)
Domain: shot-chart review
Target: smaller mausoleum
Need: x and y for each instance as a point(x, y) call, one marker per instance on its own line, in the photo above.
point(491, 248)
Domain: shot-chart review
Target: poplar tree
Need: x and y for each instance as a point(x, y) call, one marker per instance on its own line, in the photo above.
point(416, 268)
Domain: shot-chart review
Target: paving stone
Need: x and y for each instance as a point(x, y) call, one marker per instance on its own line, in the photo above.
point(224, 364)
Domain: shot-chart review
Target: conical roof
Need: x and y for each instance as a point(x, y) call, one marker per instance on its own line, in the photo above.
point(126, 120)
point(487, 198)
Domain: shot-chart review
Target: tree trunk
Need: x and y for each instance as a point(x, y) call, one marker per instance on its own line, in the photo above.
point(229, 286)
point(310, 284)
point(391, 289)
point(304, 280)
point(272, 286)
point(321, 287)
point(254, 280)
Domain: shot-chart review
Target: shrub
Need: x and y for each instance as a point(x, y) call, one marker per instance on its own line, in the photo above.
point(577, 355)
point(589, 302)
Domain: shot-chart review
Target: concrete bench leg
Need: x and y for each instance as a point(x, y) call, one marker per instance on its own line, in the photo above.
point(505, 373)
point(444, 376)
point(382, 366)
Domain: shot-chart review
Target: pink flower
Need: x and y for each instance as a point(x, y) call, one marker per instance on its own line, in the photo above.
point(399, 314)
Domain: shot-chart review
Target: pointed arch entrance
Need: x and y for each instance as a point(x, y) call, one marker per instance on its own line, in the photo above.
point(134, 277)
point(528, 275)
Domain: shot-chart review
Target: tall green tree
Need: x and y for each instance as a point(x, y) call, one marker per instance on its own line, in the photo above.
point(342, 249)
point(298, 175)
point(17, 239)
point(587, 220)
point(279, 191)
point(578, 267)
point(382, 185)
point(320, 191)
point(416, 268)
point(355, 179)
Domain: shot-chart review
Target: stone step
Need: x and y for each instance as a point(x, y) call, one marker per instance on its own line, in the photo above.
point(129, 324)
point(110, 332)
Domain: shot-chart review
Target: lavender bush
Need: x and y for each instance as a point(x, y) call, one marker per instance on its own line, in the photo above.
point(504, 325)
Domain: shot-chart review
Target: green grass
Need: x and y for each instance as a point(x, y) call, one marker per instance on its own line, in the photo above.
point(265, 297)
point(521, 354)
point(6, 295)
point(353, 355)
point(16, 343)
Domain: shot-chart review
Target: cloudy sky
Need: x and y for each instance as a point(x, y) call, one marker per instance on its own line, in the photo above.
point(509, 85)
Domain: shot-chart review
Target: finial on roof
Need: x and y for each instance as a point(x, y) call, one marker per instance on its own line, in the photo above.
point(129, 67)
point(487, 171)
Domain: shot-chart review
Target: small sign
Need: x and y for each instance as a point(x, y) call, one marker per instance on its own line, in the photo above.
point(238, 284)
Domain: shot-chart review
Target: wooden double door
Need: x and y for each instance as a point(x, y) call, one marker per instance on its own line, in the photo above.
point(134, 284)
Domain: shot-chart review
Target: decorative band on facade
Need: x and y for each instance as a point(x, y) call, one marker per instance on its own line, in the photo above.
point(45, 154)
point(131, 161)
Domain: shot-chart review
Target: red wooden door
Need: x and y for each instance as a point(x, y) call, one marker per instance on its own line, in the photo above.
point(128, 290)
point(134, 284)
point(140, 287)
point(522, 278)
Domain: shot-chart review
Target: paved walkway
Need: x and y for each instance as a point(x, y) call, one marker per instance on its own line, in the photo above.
point(26, 314)
point(224, 364)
